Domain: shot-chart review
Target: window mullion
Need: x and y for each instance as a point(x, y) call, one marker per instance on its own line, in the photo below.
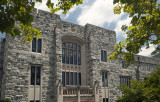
point(65, 78)
point(35, 76)
point(73, 77)
point(69, 55)
point(103, 57)
point(35, 83)
point(69, 78)
point(73, 55)
point(65, 51)
point(77, 55)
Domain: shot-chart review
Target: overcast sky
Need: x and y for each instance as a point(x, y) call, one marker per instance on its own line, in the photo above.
point(99, 13)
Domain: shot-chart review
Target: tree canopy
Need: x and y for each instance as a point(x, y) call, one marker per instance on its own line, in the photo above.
point(142, 91)
point(144, 28)
point(13, 11)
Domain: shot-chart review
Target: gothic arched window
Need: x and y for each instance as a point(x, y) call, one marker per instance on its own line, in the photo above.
point(71, 53)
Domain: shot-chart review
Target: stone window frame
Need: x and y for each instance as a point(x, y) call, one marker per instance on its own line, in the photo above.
point(148, 67)
point(78, 80)
point(41, 82)
point(37, 45)
point(124, 64)
point(104, 71)
point(35, 74)
point(79, 42)
point(73, 49)
point(34, 101)
point(105, 99)
point(125, 80)
point(104, 60)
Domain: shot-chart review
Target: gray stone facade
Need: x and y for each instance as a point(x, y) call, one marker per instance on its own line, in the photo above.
point(18, 59)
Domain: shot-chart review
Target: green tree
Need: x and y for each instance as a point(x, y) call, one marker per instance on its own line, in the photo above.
point(143, 31)
point(142, 91)
point(19, 11)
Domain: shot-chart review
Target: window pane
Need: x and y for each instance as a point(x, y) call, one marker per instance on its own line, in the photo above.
point(67, 78)
point(31, 101)
point(74, 46)
point(34, 45)
point(79, 48)
point(32, 75)
point(79, 58)
point(102, 76)
point(75, 57)
point(101, 55)
point(70, 45)
point(79, 78)
point(71, 78)
point(63, 78)
point(103, 79)
point(63, 55)
point(123, 64)
point(39, 45)
point(105, 56)
point(106, 79)
point(67, 56)
point(125, 80)
point(38, 101)
point(75, 78)
point(38, 76)
point(71, 56)
point(63, 44)
point(103, 99)
point(67, 45)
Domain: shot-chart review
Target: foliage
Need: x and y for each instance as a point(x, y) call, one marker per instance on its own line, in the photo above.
point(5, 100)
point(19, 11)
point(144, 28)
point(143, 91)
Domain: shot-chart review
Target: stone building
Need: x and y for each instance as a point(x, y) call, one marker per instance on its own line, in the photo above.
point(68, 63)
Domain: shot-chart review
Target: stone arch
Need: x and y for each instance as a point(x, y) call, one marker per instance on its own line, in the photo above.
point(74, 39)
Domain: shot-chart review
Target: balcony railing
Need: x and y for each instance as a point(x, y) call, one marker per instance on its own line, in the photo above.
point(73, 91)
point(77, 92)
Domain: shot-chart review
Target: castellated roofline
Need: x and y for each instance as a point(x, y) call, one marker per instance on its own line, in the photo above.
point(37, 12)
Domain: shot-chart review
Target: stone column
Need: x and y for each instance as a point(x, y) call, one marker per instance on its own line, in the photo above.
point(96, 93)
point(60, 92)
point(78, 94)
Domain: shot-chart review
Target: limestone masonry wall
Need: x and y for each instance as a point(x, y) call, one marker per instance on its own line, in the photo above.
point(18, 59)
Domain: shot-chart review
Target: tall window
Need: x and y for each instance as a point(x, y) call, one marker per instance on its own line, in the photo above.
point(37, 45)
point(125, 80)
point(105, 99)
point(103, 56)
point(35, 75)
point(35, 82)
point(104, 79)
point(124, 64)
point(71, 53)
point(71, 78)
point(35, 101)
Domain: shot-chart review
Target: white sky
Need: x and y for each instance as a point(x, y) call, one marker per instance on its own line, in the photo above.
point(100, 13)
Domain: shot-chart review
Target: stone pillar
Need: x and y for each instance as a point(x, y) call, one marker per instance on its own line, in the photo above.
point(95, 92)
point(60, 92)
point(78, 94)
